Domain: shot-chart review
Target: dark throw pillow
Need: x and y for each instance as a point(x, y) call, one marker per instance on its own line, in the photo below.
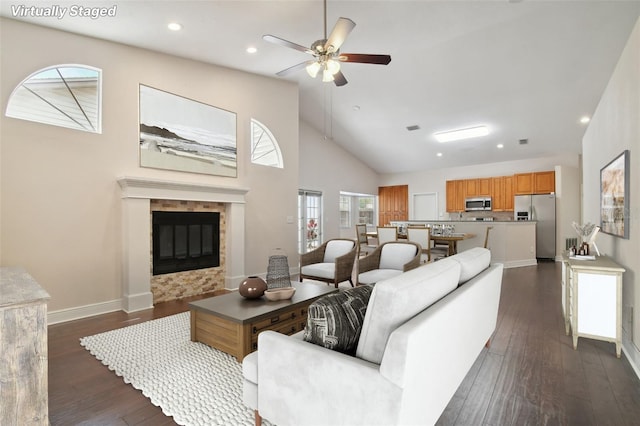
point(335, 321)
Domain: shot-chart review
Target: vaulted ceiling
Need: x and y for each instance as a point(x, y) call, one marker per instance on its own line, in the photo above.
point(527, 69)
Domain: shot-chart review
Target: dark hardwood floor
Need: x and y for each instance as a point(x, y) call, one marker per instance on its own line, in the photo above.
point(529, 376)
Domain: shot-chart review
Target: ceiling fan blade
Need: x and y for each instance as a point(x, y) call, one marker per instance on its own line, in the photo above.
point(339, 33)
point(364, 58)
point(286, 43)
point(339, 79)
point(294, 68)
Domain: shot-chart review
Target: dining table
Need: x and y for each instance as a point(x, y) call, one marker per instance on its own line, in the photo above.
point(451, 240)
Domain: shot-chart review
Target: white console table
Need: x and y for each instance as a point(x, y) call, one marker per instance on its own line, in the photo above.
point(592, 299)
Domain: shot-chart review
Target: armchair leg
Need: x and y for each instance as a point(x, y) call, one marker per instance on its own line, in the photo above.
point(258, 418)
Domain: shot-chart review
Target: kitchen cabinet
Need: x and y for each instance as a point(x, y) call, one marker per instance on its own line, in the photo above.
point(523, 183)
point(456, 190)
point(592, 299)
point(508, 193)
point(502, 193)
point(480, 187)
point(544, 182)
point(535, 183)
point(484, 187)
point(470, 188)
point(393, 203)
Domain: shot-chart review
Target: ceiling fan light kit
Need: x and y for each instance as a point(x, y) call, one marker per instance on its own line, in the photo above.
point(326, 53)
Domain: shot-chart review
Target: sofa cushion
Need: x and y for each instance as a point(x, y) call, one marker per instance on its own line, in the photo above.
point(396, 300)
point(395, 255)
point(321, 270)
point(335, 321)
point(375, 275)
point(337, 248)
point(472, 262)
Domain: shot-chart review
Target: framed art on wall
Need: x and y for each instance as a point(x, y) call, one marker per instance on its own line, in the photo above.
point(181, 134)
point(614, 196)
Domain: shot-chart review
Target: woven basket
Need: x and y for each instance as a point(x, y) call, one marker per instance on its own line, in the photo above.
point(278, 272)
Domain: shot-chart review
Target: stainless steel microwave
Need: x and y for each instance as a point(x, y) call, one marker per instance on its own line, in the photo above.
point(478, 203)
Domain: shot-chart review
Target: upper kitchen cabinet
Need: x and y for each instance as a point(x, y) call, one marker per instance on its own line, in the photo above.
point(456, 193)
point(535, 183)
point(502, 193)
point(484, 187)
point(544, 182)
point(480, 187)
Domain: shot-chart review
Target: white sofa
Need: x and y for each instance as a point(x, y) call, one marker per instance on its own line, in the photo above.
point(421, 334)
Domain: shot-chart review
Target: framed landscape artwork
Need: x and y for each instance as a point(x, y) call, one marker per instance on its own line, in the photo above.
point(181, 134)
point(614, 196)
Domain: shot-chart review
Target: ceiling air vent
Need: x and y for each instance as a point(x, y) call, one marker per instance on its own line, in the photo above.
point(523, 141)
point(412, 128)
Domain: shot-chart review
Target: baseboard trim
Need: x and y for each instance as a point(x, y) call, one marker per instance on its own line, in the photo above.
point(632, 353)
point(71, 314)
point(519, 263)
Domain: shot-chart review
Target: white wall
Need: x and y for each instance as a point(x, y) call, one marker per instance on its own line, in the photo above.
point(60, 202)
point(615, 127)
point(329, 168)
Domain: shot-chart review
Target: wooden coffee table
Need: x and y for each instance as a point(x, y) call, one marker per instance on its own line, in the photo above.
point(232, 323)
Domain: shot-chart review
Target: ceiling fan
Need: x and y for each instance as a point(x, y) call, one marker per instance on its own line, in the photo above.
point(326, 52)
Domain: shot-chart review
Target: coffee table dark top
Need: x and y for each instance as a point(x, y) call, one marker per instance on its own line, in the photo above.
point(236, 308)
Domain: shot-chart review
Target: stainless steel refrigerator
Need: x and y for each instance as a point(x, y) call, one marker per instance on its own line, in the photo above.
point(542, 209)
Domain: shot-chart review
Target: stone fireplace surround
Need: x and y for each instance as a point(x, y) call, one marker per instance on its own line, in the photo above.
point(137, 194)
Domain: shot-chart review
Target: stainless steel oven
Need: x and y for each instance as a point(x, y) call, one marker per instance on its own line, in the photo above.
point(477, 203)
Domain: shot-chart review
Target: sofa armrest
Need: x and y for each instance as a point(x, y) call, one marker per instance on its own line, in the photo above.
point(305, 384)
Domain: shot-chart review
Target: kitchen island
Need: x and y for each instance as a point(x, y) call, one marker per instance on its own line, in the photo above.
point(512, 243)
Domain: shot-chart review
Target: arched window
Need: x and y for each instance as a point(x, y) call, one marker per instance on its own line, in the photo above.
point(60, 95)
point(264, 147)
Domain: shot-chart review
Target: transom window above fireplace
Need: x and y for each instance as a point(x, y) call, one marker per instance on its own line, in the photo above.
point(184, 241)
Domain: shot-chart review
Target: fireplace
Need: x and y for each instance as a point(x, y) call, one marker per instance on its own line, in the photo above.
point(185, 241)
point(140, 197)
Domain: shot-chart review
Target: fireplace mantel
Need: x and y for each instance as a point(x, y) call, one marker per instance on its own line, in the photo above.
point(137, 193)
point(136, 187)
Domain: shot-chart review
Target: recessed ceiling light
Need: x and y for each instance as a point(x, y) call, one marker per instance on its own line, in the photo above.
point(251, 49)
point(585, 120)
point(459, 134)
point(413, 127)
point(174, 26)
point(500, 145)
point(356, 107)
point(439, 154)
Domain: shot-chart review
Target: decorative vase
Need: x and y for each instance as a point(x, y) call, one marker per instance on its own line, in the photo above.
point(252, 287)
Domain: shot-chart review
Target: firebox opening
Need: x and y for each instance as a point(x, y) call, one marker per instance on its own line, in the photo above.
point(184, 241)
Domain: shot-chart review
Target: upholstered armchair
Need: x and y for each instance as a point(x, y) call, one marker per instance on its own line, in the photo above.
point(388, 260)
point(332, 262)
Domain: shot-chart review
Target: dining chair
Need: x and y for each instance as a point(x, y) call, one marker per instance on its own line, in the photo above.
point(486, 236)
point(364, 247)
point(386, 234)
point(439, 249)
point(422, 236)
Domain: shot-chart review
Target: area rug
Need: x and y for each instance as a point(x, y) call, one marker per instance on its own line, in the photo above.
point(192, 382)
